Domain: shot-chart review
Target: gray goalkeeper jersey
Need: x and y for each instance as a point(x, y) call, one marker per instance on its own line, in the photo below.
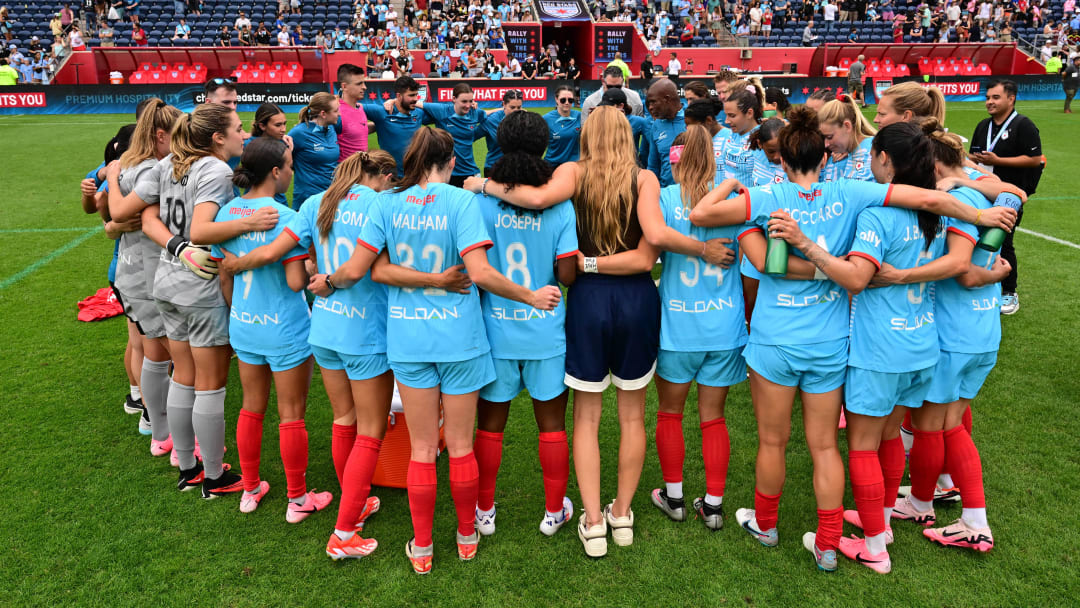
point(208, 181)
point(134, 264)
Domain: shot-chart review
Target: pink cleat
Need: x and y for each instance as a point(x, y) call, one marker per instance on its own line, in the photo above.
point(855, 549)
point(851, 516)
point(161, 448)
point(250, 502)
point(315, 501)
point(903, 509)
point(355, 548)
point(960, 534)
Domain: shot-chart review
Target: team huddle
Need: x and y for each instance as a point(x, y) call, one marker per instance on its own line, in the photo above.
point(809, 252)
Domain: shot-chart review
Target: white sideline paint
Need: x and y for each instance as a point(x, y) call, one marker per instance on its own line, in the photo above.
point(1047, 237)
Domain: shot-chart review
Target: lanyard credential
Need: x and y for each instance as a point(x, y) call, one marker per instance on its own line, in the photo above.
point(1005, 127)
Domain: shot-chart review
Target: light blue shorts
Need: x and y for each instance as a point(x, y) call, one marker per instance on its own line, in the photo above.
point(873, 393)
point(711, 368)
point(277, 363)
point(814, 368)
point(357, 367)
point(453, 377)
point(960, 375)
point(543, 378)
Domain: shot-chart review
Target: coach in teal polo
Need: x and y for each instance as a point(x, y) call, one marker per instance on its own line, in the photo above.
point(667, 121)
point(397, 120)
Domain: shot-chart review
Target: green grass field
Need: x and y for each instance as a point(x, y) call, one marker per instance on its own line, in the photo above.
point(89, 518)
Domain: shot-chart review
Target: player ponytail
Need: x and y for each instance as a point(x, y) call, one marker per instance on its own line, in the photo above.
point(843, 110)
point(523, 137)
point(753, 85)
point(948, 147)
point(193, 135)
point(320, 102)
point(156, 115)
point(801, 144)
point(258, 162)
point(746, 101)
point(766, 132)
point(262, 116)
point(920, 102)
point(703, 112)
point(695, 170)
point(912, 157)
point(348, 173)
point(429, 149)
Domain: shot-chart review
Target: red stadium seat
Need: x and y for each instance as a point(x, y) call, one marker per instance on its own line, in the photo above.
point(942, 70)
point(256, 75)
point(955, 68)
point(146, 67)
point(887, 70)
point(968, 69)
point(194, 76)
point(179, 66)
point(243, 66)
point(260, 65)
point(238, 75)
point(965, 61)
point(845, 63)
point(903, 70)
point(198, 65)
point(277, 66)
point(273, 76)
point(292, 76)
point(295, 66)
point(939, 60)
point(174, 77)
point(886, 61)
point(158, 77)
point(139, 77)
point(983, 69)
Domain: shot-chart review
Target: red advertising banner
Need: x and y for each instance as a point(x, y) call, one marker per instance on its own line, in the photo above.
point(22, 100)
point(971, 87)
point(496, 93)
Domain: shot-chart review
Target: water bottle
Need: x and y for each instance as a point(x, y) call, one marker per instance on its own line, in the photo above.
point(992, 239)
point(776, 257)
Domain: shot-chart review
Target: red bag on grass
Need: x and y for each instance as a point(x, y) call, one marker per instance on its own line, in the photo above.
point(101, 305)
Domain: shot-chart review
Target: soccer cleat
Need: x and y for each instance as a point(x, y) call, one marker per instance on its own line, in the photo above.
point(593, 538)
point(1010, 303)
point(825, 560)
point(420, 557)
point(371, 507)
point(314, 501)
point(354, 548)
point(960, 534)
point(843, 420)
point(133, 406)
point(903, 509)
point(712, 516)
point(190, 478)
point(485, 522)
point(675, 508)
point(174, 460)
point(855, 549)
point(551, 524)
point(250, 502)
point(144, 423)
point(228, 483)
point(622, 528)
point(851, 516)
point(467, 545)
point(161, 448)
point(748, 520)
point(941, 495)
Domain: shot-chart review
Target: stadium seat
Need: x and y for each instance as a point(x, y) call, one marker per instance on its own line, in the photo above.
point(845, 63)
point(146, 67)
point(194, 76)
point(274, 76)
point(903, 70)
point(174, 77)
point(983, 69)
point(139, 77)
point(291, 76)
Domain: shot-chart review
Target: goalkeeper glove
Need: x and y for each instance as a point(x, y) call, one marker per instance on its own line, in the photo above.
point(195, 257)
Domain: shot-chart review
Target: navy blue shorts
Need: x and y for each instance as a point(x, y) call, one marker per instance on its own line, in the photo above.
point(612, 332)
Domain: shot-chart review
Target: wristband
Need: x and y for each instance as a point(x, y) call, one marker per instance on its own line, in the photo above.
point(819, 275)
point(978, 215)
point(703, 249)
point(483, 187)
point(330, 285)
point(590, 265)
point(175, 244)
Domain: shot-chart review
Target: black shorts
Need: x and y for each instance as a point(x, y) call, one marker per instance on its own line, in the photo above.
point(612, 332)
point(458, 180)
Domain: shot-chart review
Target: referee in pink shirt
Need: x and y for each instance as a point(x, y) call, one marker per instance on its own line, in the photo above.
point(352, 127)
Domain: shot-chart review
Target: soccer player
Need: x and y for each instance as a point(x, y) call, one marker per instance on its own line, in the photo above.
point(743, 110)
point(766, 146)
point(268, 322)
point(315, 148)
point(436, 342)
point(667, 121)
point(138, 260)
point(395, 126)
point(848, 137)
point(702, 332)
point(907, 101)
point(564, 124)
point(271, 121)
point(528, 347)
point(798, 334)
point(464, 122)
point(511, 103)
point(352, 124)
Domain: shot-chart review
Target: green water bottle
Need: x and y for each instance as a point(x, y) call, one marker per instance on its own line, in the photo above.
point(776, 257)
point(993, 238)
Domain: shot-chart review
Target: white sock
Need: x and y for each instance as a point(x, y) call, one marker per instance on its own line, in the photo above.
point(919, 505)
point(299, 500)
point(556, 516)
point(875, 544)
point(134, 391)
point(343, 535)
point(714, 501)
point(944, 481)
point(976, 518)
point(888, 515)
point(908, 438)
point(674, 490)
point(480, 511)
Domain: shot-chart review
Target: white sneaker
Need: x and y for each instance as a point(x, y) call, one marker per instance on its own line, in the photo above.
point(1010, 303)
point(485, 522)
point(594, 538)
point(551, 523)
point(622, 528)
point(144, 424)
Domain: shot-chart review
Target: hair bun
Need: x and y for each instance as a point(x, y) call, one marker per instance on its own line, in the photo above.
point(803, 118)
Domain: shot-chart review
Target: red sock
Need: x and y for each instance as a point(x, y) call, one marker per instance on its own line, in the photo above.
point(488, 449)
point(716, 451)
point(966, 420)
point(963, 463)
point(464, 483)
point(294, 456)
point(342, 438)
point(868, 489)
point(555, 462)
point(670, 446)
point(830, 525)
point(422, 484)
point(906, 424)
point(249, 429)
point(357, 480)
point(927, 462)
point(766, 509)
point(891, 457)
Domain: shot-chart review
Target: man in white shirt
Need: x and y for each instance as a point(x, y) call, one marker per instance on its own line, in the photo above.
point(830, 14)
point(952, 13)
point(674, 67)
point(241, 22)
point(612, 78)
point(283, 37)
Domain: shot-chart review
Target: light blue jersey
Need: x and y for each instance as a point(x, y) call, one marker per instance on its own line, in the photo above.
point(765, 172)
point(739, 158)
point(429, 229)
point(807, 312)
point(718, 142)
point(969, 320)
point(701, 304)
point(564, 142)
point(892, 327)
point(855, 165)
point(527, 245)
point(350, 321)
point(267, 317)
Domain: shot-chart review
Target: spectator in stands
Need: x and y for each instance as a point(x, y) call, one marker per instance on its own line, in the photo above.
point(67, 16)
point(9, 76)
point(829, 14)
point(612, 78)
point(282, 36)
point(107, 35)
point(1070, 80)
point(132, 10)
point(808, 35)
point(195, 7)
point(296, 36)
point(75, 39)
point(138, 34)
point(183, 30)
point(224, 37)
point(246, 37)
point(116, 10)
point(528, 69)
point(55, 26)
point(262, 35)
point(241, 22)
